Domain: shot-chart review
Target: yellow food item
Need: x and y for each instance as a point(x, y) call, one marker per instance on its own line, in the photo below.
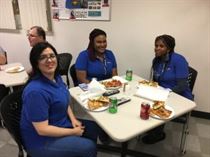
point(159, 109)
point(94, 104)
point(149, 83)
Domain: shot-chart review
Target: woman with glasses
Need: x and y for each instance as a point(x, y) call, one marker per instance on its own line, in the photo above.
point(96, 61)
point(48, 125)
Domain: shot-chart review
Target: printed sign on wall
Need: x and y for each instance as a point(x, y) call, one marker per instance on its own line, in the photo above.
point(81, 9)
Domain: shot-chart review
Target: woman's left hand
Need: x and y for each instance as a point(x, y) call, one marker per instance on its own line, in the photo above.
point(76, 123)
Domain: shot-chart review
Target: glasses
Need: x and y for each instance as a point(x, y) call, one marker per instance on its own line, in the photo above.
point(45, 58)
point(31, 35)
point(28, 34)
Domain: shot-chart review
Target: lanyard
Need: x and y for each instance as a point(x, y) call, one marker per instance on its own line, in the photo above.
point(105, 66)
point(158, 73)
point(104, 62)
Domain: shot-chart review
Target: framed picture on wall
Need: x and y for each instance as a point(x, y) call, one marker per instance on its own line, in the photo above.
point(81, 9)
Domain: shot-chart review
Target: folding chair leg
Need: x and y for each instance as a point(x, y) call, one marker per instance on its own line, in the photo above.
point(185, 132)
point(2, 123)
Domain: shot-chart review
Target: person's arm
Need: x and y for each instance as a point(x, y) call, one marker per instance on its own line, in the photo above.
point(114, 62)
point(36, 106)
point(181, 86)
point(81, 67)
point(181, 67)
point(73, 119)
point(114, 72)
point(3, 59)
point(44, 129)
point(81, 76)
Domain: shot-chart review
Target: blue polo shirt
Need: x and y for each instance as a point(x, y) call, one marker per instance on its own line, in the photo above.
point(166, 73)
point(43, 100)
point(98, 69)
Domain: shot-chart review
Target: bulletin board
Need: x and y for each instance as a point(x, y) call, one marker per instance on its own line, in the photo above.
point(81, 10)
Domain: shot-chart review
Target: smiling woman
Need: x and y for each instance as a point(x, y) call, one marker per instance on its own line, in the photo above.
point(96, 61)
point(47, 118)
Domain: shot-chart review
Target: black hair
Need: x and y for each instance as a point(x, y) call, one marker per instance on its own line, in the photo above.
point(93, 34)
point(40, 31)
point(168, 40)
point(35, 54)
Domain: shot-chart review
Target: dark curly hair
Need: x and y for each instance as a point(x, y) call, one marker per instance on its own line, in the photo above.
point(168, 40)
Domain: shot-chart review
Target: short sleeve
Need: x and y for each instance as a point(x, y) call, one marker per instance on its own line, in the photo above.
point(82, 61)
point(36, 106)
point(113, 60)
point(181, 67)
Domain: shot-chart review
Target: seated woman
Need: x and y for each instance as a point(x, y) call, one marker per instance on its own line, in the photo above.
point(96, 61)
point(48, 125)
point(170, 70)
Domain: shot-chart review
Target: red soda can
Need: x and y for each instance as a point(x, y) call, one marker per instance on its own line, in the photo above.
point(144, 113)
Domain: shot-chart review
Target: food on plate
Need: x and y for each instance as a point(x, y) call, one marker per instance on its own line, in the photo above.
point(98, 102)
point(112, 83)
point(158, 104)
point(149, 83)
point(159, 110)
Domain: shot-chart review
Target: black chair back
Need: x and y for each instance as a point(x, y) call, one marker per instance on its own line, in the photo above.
point(64, 64)
point(74, 75)
point(10, 112)
point(191, 82)
point(192, 77)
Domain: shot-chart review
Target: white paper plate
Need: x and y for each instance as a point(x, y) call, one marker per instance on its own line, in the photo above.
point(15, 69)
point(101, 109)
point(168, 108)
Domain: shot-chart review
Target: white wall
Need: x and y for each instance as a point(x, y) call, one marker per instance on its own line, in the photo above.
point(131, 32)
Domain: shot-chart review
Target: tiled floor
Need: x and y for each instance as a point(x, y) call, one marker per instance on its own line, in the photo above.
point(198, 144)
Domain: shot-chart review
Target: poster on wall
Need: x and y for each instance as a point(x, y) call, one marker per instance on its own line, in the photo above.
point(81, 9)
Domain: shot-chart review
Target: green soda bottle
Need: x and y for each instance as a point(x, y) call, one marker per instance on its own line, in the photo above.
point(129, 74)
point(113, 105)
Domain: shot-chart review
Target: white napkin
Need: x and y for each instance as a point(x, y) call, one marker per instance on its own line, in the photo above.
point(152, 93)
point(96, 87)
point(87, 94)
point(122, 80)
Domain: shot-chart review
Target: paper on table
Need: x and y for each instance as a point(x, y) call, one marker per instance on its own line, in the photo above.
point(85, 95)
point(96, 87)
point(122, 80)
point(152, 93)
